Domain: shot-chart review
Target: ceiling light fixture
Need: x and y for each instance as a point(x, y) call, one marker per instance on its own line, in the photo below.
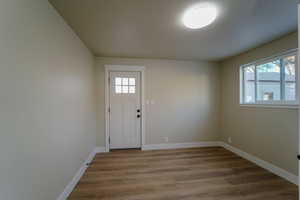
point(199, 16)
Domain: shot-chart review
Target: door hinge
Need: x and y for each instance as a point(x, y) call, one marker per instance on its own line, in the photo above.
point(109, 140)
point(109, 109)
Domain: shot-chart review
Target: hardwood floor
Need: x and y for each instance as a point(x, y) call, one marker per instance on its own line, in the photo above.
point(197, 173)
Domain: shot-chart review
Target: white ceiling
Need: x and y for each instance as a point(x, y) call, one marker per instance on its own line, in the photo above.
point(153, 28)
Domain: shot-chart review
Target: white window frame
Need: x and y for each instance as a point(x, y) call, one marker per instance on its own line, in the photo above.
point(280, 103)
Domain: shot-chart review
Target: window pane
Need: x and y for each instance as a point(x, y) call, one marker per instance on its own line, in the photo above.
point(125, 89)
point(268, 81)
point(118, 89)
point(249, 87)
point(131, 89)
point(290, 91)
point(118, 81)
point(125, 81)
point(131, 81)
point(289, 64)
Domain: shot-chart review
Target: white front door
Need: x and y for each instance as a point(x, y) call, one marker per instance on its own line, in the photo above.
point(125, 110)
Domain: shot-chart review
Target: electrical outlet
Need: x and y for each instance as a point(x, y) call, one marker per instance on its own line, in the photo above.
point(166, 139)
point(229, 140)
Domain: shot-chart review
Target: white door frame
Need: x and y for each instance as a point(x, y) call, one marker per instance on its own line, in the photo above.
point(125, 68)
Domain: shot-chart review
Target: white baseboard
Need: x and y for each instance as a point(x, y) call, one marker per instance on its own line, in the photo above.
point(179, 145)
point(100, 150)
point(264, 164)
point(70, 187)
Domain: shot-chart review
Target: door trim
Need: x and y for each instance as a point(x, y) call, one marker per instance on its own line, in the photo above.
point(127, 68)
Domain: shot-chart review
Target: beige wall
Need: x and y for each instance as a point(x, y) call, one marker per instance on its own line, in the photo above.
point(47, 101)
point(186, 96)
point(268, 133)
point(48, 107)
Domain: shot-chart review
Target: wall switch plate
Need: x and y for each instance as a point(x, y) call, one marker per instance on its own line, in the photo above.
point(229, 140)
point(166, 139)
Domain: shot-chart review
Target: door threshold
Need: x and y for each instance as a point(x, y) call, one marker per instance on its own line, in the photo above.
point(126, 149)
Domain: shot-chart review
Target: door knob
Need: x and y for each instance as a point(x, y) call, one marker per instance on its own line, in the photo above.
point(138, 110)
point(138, 116)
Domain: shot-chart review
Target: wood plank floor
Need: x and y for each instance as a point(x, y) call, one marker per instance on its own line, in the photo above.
point(197, 173)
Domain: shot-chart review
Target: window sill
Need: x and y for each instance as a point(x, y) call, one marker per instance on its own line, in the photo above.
point(270, 106)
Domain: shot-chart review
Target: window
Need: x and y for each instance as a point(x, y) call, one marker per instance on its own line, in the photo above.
point(271, 81)
point(124, 85)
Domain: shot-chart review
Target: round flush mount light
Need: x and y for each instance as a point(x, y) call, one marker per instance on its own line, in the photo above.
point(199, 16)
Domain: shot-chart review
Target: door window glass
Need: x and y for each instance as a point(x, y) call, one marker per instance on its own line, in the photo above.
point(125, 85)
